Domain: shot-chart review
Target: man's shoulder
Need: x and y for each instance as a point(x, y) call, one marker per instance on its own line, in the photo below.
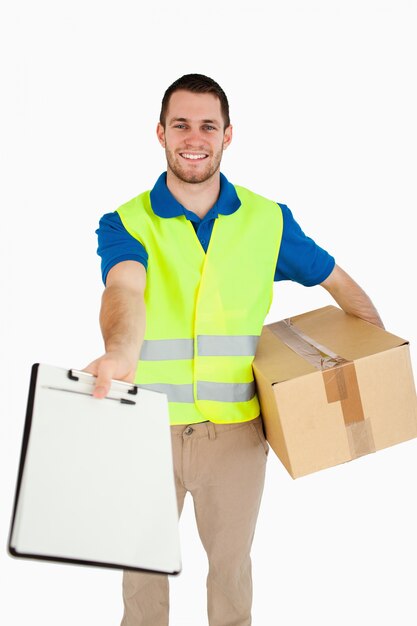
point(141, 200)
point(251, 197)
point(136, 212)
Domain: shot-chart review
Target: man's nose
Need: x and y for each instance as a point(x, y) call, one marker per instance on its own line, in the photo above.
point(194, 137)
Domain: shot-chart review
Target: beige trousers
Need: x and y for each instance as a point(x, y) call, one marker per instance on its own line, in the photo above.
point(223, 467)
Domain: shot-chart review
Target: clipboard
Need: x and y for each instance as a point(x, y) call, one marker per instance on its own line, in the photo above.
point(95, 483)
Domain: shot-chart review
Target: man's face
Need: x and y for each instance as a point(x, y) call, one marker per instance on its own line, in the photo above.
point(194, 136)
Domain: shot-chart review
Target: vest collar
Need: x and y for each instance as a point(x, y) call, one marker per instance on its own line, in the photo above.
point(165, 205)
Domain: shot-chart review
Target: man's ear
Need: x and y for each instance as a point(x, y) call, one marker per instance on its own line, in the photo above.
point(228, 134)
point(160, 133)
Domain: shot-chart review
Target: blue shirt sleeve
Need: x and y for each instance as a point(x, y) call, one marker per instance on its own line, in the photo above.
point(300, 259)
point(115, 244)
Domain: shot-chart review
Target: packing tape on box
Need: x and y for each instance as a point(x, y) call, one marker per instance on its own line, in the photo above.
point(340, 381)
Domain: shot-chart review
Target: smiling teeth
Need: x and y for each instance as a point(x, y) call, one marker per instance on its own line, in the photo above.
point(193, 156)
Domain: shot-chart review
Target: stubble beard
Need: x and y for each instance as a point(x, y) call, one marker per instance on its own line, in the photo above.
point(185, 175)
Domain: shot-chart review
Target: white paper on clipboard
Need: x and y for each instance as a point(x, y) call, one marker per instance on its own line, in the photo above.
point(95, 484)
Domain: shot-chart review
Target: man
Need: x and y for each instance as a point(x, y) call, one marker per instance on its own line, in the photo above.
point(198, 256)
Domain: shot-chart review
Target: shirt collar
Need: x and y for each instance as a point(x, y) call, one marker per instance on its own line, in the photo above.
point(165, 205)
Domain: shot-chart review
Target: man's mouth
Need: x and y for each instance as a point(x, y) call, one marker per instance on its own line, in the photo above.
point(190, 156)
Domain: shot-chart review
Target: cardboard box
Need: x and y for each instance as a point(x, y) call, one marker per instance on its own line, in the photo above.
point(333, 387)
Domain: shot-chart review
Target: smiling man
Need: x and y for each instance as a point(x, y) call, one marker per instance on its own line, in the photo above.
point(197, 257)
point(193, 145)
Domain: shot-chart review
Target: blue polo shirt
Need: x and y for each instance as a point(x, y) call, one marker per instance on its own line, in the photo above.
point(300, 258)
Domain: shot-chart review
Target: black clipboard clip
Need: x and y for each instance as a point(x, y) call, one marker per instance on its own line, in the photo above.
point(133, 389)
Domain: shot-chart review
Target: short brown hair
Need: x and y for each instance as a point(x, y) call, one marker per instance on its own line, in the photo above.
point(196, 83)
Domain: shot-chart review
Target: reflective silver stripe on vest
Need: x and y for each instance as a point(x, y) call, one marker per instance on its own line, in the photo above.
point(167, 349)
point(227, 345)
point(175, 393)
point(208, 345)
point(219, 392)
point(226, 392)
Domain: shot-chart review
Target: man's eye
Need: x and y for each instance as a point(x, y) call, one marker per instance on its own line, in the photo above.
point(179, 126)
point(208, 127)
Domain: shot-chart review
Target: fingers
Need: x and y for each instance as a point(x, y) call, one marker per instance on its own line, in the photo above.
point(105, 372)
point(91, 368)
point(110, 366)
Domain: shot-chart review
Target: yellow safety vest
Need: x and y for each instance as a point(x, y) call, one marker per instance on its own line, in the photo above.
point(205, 311)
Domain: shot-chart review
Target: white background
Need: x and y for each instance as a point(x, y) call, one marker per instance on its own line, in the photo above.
point(322, 98)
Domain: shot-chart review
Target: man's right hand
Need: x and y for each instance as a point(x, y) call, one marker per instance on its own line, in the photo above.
point(112, 365)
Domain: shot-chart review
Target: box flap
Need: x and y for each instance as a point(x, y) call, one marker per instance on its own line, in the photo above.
point(349, 336)
point(346, 335)
point(277, 361)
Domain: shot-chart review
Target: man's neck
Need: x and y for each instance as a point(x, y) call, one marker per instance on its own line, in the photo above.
point(196, 197)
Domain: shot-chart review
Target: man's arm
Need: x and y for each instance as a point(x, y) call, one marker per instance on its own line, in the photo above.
point(122, 322)
point(350, 297)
